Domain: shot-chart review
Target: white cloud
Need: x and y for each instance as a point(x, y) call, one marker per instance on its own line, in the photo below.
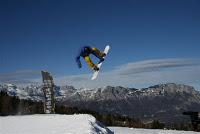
point(155, 65)
point(142, 74)
point(135, 74)
point(19, 77)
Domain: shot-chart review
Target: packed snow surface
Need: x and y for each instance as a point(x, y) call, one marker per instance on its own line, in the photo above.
point(68, 124)
point(124, 130)
point(52, 124)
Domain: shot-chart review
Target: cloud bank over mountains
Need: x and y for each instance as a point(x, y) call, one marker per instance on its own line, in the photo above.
point(141, 74)
point(134, 74)
point(20, 77)
point(154, 65)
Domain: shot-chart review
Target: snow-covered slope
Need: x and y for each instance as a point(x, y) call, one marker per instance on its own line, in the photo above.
point(52, 124)
point(124, 130)
point(68, 124)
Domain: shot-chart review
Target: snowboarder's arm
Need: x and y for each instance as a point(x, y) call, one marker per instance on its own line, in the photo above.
point(78, 61)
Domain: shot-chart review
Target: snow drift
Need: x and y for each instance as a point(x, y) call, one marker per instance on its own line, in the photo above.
point(68, 124)
point(52, 124)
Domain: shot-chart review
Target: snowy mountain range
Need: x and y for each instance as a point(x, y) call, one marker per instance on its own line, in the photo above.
point(164, 102)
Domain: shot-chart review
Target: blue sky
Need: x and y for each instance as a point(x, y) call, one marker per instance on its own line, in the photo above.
point(46, 35)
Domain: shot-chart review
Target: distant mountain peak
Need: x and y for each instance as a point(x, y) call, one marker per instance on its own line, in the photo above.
point(158, 100)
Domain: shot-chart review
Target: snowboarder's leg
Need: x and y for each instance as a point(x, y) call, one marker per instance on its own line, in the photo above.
point(90, 63)
point(98, 54)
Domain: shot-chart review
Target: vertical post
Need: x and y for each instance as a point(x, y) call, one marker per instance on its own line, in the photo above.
point(48, 90)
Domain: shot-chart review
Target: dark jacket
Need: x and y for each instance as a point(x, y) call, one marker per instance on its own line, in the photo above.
point(83, 52)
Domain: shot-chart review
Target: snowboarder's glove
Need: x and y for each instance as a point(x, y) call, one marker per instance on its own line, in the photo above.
point(96, 68)
point(78, 61)
point(80, 65)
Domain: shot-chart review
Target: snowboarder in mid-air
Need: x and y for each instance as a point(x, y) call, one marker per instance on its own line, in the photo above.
point(85, 51)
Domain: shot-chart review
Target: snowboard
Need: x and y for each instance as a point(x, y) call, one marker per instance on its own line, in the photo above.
point(95, 74)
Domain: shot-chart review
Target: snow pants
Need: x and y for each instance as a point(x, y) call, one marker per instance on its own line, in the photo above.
point(96, 53)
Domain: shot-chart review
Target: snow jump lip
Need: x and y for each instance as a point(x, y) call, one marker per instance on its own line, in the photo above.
point(52, 124)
